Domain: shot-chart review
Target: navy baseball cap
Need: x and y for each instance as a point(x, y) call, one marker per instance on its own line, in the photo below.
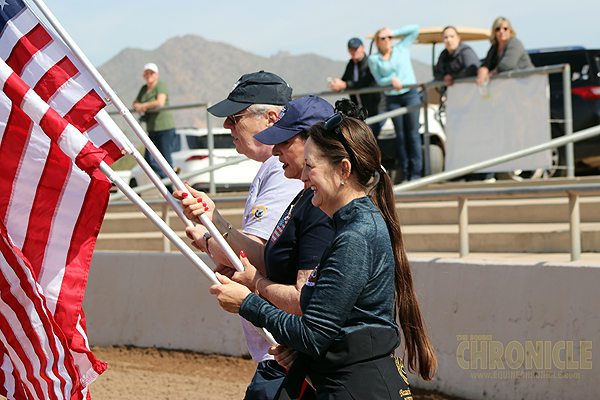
point(255, 88)
point(355, 42)
point(298, 115)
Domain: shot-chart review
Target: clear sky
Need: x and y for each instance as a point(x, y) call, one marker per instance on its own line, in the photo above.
point(264, 27)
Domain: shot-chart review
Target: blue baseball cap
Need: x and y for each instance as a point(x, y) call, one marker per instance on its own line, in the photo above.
point(355, 42)
point(296, 116)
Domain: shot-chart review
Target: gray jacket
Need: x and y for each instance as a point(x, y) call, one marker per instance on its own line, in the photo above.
point(461, 63)
point(513, 57)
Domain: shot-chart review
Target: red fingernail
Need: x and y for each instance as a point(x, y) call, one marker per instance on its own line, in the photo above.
point(242, 254)
point(204, 204)
point(205, 208)
point(199, 200)
point(187, 184)
point(184, 194)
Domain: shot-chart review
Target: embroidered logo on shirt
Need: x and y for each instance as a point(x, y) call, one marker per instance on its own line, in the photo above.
point(258, 212)
point(312, 279)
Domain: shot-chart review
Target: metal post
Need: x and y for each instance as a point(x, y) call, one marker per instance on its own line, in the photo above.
point(165, 217)
point(426, 140)
point(463, 226)
point(574, 226)
point(211, 147)
point(568, 120)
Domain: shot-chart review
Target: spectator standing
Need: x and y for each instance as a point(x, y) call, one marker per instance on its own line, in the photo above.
point(252, 106)
point(392, 66)
point(506, 53)
point(357, 76)
point(458, 60)
point(159, 125)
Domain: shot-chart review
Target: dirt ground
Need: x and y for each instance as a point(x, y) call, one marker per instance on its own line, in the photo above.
point(158, 374)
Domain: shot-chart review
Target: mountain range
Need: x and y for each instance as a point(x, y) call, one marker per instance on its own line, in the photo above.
point(197, 70)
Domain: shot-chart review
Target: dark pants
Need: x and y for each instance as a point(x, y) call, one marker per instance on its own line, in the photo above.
point(408, 139)
point(165, 142)
point(267, 379)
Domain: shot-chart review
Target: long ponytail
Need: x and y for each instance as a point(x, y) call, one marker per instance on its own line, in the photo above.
point(420, 355)
point(366, 165)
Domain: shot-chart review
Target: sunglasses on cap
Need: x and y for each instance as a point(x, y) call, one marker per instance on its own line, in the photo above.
point(332, 126)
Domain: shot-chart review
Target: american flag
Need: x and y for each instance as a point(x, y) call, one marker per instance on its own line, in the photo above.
point(51, 211)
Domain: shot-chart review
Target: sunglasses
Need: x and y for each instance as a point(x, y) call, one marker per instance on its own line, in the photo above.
point(239, 116)
point(504, 28)
point(385, 37)
point(332, 125)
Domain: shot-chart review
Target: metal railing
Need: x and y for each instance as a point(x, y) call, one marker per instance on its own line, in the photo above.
point(573, 191)
point(424, 87)
point(164, 211)
point(463, 195)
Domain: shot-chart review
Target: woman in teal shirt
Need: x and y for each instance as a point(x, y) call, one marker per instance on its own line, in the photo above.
point(392, 66)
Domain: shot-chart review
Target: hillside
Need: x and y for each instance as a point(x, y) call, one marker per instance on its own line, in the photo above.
point(198, 71)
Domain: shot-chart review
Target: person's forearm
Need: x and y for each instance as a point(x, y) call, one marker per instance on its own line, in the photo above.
point(237, 241)
point(284, 297)
point(152, 104)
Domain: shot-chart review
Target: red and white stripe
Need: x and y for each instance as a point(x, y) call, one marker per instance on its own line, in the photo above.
point(36, 351)
point(51, 208)
point(46, 64)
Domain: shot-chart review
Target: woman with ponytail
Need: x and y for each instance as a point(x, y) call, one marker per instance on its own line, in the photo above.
point(353, 300)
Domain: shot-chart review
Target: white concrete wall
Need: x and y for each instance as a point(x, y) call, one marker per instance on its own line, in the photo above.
point(510, 302)
point(157, 300)
point(152, 299)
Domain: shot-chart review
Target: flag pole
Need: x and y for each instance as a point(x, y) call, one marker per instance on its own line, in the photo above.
point(169, 233)
point(160, 224)
point(133, 123)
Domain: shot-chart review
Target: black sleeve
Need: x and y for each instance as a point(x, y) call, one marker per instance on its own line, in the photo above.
point(347, 77)
point(487, 62)
point(438, 71)
point(314, 236)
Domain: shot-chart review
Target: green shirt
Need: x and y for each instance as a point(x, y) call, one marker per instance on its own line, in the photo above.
point(157, 121)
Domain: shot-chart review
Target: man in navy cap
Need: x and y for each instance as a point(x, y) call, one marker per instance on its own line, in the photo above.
point(357, 76)
point(252, 106)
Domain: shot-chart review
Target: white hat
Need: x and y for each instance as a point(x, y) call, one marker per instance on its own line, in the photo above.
point(151, 67)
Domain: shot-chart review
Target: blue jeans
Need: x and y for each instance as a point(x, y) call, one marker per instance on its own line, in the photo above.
point(165, 142)
point(266, 381)
point(408, 139)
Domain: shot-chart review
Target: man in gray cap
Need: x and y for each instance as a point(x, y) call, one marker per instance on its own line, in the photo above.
point(252, 106)
point(357, 76)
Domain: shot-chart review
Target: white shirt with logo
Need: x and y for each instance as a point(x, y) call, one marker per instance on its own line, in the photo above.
point(270, 194)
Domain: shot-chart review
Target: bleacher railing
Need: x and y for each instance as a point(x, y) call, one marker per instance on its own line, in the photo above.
point(572, 191)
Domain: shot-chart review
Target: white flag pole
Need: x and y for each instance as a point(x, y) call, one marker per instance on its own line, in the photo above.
point(133, 123)
point(169, 233)
point(160, 224)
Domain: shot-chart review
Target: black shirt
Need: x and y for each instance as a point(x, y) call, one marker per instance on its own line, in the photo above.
point(298, 240)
